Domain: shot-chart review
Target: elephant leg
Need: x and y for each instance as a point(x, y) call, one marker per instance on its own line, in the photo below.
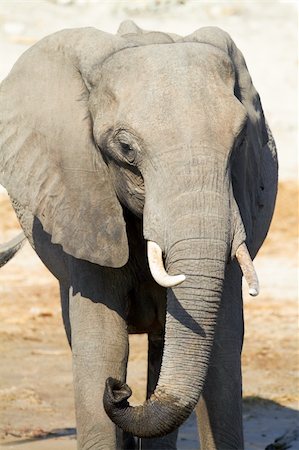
point(64, 299)
point(219, 410)
point(155, 351)
point(129, 442)
point(100, 350)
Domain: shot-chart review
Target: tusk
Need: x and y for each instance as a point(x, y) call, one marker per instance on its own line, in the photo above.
point(8, 250)
point(246, 264)
point(154, 254)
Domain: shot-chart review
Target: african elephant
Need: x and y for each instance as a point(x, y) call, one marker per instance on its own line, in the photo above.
point(115, 146)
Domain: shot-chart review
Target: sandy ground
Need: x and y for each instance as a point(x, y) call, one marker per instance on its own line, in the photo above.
point(36, 399)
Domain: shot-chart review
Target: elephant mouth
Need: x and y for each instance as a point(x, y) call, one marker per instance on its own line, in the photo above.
point(160, 275)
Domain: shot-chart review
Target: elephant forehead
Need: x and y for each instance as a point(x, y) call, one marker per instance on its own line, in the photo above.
point(171, 86)
point(165, 68)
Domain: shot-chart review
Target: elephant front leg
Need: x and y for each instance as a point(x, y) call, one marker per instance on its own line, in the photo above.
point(100, 350)
point(219, 410)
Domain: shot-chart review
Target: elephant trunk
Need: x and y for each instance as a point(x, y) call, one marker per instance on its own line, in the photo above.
point(190, 322)
point(205, 227)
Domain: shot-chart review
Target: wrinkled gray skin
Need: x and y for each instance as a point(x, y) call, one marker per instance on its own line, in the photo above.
point(109, 141)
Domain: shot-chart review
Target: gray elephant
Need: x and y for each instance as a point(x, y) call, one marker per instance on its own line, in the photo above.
point(124, 154)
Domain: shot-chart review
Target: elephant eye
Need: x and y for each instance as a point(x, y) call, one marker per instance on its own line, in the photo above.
point(127, 151)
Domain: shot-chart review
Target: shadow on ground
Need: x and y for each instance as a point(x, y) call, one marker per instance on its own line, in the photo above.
point(267, 426)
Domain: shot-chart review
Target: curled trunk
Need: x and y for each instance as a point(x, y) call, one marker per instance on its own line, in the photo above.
point(190, 322)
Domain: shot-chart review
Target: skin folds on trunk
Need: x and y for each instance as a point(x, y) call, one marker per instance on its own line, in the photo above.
point(193, 224)
point(190, 321)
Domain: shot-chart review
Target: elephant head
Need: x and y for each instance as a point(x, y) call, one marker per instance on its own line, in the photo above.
point(92, 123)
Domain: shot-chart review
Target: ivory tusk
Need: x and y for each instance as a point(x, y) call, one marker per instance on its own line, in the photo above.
point(247, 267)
point(154, 254)
point(8, 250)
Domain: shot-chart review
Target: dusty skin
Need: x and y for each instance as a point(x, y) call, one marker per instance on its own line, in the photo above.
point(36, 398)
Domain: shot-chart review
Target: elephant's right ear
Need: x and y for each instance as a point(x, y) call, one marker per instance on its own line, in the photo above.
point(244, 88)
point(49, 162)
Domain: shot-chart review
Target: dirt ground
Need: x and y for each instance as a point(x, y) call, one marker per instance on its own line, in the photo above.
point(36, 399)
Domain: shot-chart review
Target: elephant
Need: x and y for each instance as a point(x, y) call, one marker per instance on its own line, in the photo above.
point(144, 174)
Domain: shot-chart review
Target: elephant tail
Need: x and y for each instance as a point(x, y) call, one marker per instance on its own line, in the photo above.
point(8, 250)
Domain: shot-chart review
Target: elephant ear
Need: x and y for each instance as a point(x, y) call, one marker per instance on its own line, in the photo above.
point(244, 89)
point(49, 162)
point(248, 165)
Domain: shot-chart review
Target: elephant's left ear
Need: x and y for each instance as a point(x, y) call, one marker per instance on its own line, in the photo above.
point(49, 162)
point(244, 88)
